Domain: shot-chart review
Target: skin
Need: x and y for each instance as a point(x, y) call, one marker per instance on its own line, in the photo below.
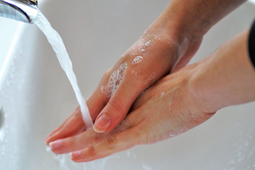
point(177, 102)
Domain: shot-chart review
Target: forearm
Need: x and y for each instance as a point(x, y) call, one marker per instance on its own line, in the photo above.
point(195, 17)
point(225, 78)
point(186, 21)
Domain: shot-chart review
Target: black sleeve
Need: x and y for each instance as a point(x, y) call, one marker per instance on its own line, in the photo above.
point(251, 44)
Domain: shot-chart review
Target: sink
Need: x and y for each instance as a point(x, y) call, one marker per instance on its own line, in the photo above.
point(36, 96)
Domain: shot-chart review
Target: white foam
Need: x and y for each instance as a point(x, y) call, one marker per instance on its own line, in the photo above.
point(147, 43)
point(137, 60)
point(114, 81)
point(162, 94)
point(137, 74)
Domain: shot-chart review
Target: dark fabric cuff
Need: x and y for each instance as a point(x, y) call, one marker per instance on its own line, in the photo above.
point(251, 44)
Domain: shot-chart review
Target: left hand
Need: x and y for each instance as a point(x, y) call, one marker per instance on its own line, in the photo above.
point(165, 110)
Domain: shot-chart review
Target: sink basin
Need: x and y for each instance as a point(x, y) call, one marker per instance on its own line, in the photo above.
point(36, 96)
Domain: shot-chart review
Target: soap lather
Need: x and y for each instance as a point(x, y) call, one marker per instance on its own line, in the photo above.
point(21, 10)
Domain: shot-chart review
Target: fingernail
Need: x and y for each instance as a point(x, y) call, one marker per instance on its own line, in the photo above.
point(56, 144)
point(102, 123)
point(75, 154)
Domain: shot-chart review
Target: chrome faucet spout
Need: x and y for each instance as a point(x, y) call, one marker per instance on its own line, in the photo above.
point(21, 10)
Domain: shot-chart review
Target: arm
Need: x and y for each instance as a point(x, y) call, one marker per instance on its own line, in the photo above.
point(194, 18)
point(227, 77)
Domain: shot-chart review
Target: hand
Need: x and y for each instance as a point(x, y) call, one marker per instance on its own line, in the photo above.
point(183, 25)
point(149, 59)
point(180, 40)
point(165, 110)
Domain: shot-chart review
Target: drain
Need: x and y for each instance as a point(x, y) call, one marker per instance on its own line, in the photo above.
point(1, 118)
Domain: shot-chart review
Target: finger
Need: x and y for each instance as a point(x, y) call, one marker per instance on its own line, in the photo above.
point(95, 103)
point(76, 142)
point(75, 122)
point(118, 106)
point(90, 137)
point(57, 129)
point(112, 144)
point(68, 129)
point(137, 78)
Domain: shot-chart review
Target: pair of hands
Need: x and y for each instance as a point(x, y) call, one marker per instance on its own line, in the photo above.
point(129, 116)
point(175, 103)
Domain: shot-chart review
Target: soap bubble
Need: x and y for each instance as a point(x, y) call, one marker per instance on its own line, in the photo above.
point(114, 81)
point(137, 60)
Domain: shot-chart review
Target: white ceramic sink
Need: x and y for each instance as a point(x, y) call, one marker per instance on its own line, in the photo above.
point(35, 95)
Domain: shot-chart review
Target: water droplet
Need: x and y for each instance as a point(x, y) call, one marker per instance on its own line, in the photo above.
point(47, 149)
point(172, 134)
point(147, 43)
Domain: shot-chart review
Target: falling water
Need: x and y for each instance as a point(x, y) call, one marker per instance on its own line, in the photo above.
point(58, 46)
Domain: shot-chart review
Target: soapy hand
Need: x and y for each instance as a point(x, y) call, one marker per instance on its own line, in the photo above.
point(149, 59)
point(175, 104)
point(165, 110)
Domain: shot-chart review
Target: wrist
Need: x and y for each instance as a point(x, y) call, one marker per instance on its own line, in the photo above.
point(181, 33)
point(191, 104)
point(174, 37)
point(226, 77)
point(194, 18)
point(202, 91)
point(180, 19)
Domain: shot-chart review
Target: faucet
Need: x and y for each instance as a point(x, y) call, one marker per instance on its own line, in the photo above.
point(21, 10)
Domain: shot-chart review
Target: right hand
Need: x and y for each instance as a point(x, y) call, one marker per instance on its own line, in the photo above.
point(167, 109)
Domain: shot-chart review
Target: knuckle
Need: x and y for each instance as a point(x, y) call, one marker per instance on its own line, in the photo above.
point(116, 103)
point(71, 141)
point(91, 151)
point(124, 125)
point(110, 141)
point(97, 137)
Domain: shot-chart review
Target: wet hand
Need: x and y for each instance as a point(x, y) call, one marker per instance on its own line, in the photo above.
point(154, 55)
point(165, 110)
